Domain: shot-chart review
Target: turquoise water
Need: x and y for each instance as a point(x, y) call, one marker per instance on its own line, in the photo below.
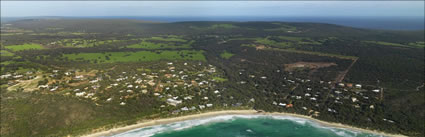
point(244, 126)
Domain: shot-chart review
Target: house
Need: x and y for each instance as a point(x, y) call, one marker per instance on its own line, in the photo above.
point(331, 110)
point(184, 109)
point(80, 94)
point(54, 89)
point(93, 81)
point(18, 76)
point(173, 102)
point(43, 86)
point(376, 90)
point(354, 99)
point(358, 86)
point(5, 76)
point(67, 73)
point(79, 77)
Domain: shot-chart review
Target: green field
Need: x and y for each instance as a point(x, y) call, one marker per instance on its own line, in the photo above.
point(24, 47)
point(219, 79)
point(81, 43)
point(152, 45)
point(386, 43)
point(282, 27)
point(6, 53)
point(226, 55)
point(111, 57)
point(419, 44)
point(215, 26)
point(169, 39)
point(282, 41)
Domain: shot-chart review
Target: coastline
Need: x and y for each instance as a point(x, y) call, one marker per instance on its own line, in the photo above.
point(154, 122)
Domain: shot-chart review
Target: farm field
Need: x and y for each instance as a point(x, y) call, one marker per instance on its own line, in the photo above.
point(6, 53)
point(226, 55)
point(24, 47)
point(111, 57)
point(160, 45)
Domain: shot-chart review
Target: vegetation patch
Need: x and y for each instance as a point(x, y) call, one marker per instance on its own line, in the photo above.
point(169, 39)
point(157, 45)
point(386, 43)
point(24, 47)
point(215, 26)
point(111, 57)
point(6, 53)
point(226, 55)
point(283, 27)
point(219, 79)
point(419, 44)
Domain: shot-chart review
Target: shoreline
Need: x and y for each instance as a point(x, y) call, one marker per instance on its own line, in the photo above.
point(161, 121)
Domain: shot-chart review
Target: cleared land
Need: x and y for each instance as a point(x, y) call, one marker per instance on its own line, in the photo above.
point(310, 65)
point(6, 53)
point(24, 47)
point(111, 57)
point(157, 45)
point(226, 55)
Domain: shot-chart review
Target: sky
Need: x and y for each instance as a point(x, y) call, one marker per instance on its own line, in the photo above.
point(212, 8)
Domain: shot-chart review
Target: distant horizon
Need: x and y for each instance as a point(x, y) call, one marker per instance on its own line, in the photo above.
point(379, 22)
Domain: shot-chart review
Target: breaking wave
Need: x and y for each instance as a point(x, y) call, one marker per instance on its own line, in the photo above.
point(164, 128)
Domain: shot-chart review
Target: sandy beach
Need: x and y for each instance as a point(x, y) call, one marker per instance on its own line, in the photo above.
point(148, 123)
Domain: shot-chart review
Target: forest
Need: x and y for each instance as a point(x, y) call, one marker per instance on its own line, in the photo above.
point(63, 77)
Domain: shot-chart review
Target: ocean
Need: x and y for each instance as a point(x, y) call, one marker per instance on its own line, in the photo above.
point(244, 126)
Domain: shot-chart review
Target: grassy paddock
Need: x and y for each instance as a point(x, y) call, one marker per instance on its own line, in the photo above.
point(6, 53)
point(111, 57)
point(24, 47)
point(226, 55)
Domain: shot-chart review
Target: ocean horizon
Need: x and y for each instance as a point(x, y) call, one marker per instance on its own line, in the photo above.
point(244, 126)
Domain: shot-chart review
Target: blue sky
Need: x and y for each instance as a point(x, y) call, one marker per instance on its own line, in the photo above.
point(212, 8)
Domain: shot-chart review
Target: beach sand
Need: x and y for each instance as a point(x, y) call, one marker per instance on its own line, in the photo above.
point(148, 123)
